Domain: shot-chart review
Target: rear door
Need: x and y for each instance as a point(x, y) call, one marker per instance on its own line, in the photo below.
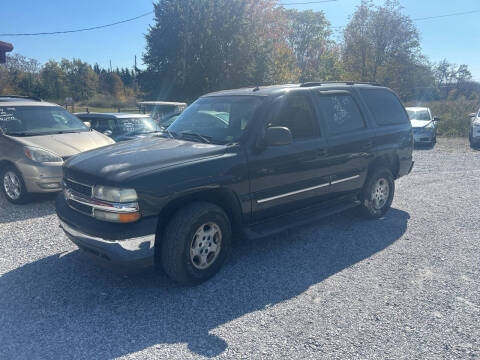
point(284, 178)
point(349, 139)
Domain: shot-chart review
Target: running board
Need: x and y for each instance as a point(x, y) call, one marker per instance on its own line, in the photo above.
point(300, 217)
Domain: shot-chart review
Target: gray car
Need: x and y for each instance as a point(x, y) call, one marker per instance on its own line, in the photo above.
point(35, 139)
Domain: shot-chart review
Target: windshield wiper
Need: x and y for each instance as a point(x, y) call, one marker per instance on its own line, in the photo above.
point(205, 139)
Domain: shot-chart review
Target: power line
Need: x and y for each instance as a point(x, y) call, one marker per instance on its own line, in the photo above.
point(447, 15)
point(430, 17)
point(80, 30)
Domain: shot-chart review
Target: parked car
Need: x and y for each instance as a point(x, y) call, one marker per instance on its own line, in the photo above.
point(424, 125)
point(121, 126)
point(474, 134)
point(279, 157)
point(35, 139)
point(159, 110)
point(168, 120)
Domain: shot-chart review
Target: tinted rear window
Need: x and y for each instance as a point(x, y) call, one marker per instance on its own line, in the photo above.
point(341, 114)
point(386, 107)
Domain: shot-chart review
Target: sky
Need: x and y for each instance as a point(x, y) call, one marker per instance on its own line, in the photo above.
point(454, 38)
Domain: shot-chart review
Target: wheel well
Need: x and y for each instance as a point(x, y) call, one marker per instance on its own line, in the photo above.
point(390, 161)
point(4, 163)
point(223, 198)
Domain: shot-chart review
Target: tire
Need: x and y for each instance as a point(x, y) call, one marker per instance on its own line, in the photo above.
point(189, 239)
point(377, 194)
point(13, 186)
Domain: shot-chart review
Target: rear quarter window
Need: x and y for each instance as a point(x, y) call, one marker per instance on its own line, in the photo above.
point(385, 106)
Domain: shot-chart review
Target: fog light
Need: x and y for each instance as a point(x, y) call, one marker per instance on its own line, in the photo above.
point(116, 217)
point(54, 185)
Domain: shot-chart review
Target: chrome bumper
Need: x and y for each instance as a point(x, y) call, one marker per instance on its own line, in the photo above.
point(133, 252)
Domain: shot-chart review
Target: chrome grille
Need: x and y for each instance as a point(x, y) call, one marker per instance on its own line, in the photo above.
point(77, 187)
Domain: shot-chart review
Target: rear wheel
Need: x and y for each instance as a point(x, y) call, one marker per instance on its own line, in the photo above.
point(196, 243)
point(377, 194)
point(13, 186)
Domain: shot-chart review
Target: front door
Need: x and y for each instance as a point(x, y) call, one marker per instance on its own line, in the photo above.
point(284, 178)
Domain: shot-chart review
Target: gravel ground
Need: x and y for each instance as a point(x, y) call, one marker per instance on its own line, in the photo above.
point(403, 287)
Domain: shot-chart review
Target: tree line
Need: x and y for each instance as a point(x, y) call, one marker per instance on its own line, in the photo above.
point(198, 46)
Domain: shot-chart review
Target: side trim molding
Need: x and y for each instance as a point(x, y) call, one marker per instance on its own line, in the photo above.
point(261, 201)
point(292, 193)
point(345, 179)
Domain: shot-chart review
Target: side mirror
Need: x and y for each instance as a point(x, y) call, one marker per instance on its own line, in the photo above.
point(108, 132)
point(278, 136)
point(87, 123)
point(436, 119)
point(472, 115)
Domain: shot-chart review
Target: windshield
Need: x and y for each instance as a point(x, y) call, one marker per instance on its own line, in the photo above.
point(419, 115)
point(219, 120)
point(136, 126)
point(38, 120)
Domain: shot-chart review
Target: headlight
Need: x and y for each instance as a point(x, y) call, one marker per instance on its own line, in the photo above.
point(41, 155)
point(114, 195)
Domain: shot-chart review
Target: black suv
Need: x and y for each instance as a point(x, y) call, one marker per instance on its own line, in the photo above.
point(248, 162)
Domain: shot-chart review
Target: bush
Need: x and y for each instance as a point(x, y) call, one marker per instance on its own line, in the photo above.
point(453, 114)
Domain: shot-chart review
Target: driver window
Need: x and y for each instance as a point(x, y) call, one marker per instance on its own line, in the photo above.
point(295, 112)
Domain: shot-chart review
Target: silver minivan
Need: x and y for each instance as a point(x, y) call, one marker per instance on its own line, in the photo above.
point(36, 137)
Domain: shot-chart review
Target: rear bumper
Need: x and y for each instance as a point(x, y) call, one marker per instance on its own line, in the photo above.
point(116, 245)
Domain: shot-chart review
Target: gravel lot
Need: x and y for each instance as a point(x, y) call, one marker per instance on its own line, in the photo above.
point(404, 287)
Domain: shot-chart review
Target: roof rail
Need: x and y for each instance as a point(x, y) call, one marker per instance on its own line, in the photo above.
point(21, 97)
point(319, 83)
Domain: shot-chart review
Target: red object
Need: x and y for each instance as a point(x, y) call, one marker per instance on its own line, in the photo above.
point(4, 48)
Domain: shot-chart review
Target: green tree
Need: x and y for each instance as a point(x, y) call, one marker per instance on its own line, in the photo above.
point(197, 46)
point(377, 36)
point(309, 38)
point(54, 81)
point(82, 80)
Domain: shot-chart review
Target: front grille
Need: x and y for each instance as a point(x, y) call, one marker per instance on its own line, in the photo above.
point(84, 209)
point(78, 188)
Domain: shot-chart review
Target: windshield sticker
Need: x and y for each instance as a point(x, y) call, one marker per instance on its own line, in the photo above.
point(6, 114)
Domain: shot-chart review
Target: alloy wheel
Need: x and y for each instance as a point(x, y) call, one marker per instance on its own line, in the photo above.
point(380, 193)
point(206, 245)
point(12, 185)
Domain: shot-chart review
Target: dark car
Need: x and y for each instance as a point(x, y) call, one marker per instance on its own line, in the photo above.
point(121, 126)
point(240, 163)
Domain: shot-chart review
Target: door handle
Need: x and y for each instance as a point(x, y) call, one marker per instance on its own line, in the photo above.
point(321, 152)
point(368, 145)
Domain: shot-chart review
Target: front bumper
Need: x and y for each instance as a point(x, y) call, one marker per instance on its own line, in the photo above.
point(423, 136)
point(40, 178)
point(116, 245)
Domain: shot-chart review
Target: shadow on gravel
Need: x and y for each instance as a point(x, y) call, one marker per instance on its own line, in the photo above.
point(38, 206)
point(65, 307)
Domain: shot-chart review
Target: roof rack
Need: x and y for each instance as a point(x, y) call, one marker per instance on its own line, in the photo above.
point(319, 83)
point(21, 97)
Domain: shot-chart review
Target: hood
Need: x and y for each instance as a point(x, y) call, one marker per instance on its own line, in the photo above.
point(66, 145)
point(129, 159)
point(420, 123)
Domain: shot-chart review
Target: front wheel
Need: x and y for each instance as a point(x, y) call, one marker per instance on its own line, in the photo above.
point(377, 194)
point(196, 243)
point(13, 186)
